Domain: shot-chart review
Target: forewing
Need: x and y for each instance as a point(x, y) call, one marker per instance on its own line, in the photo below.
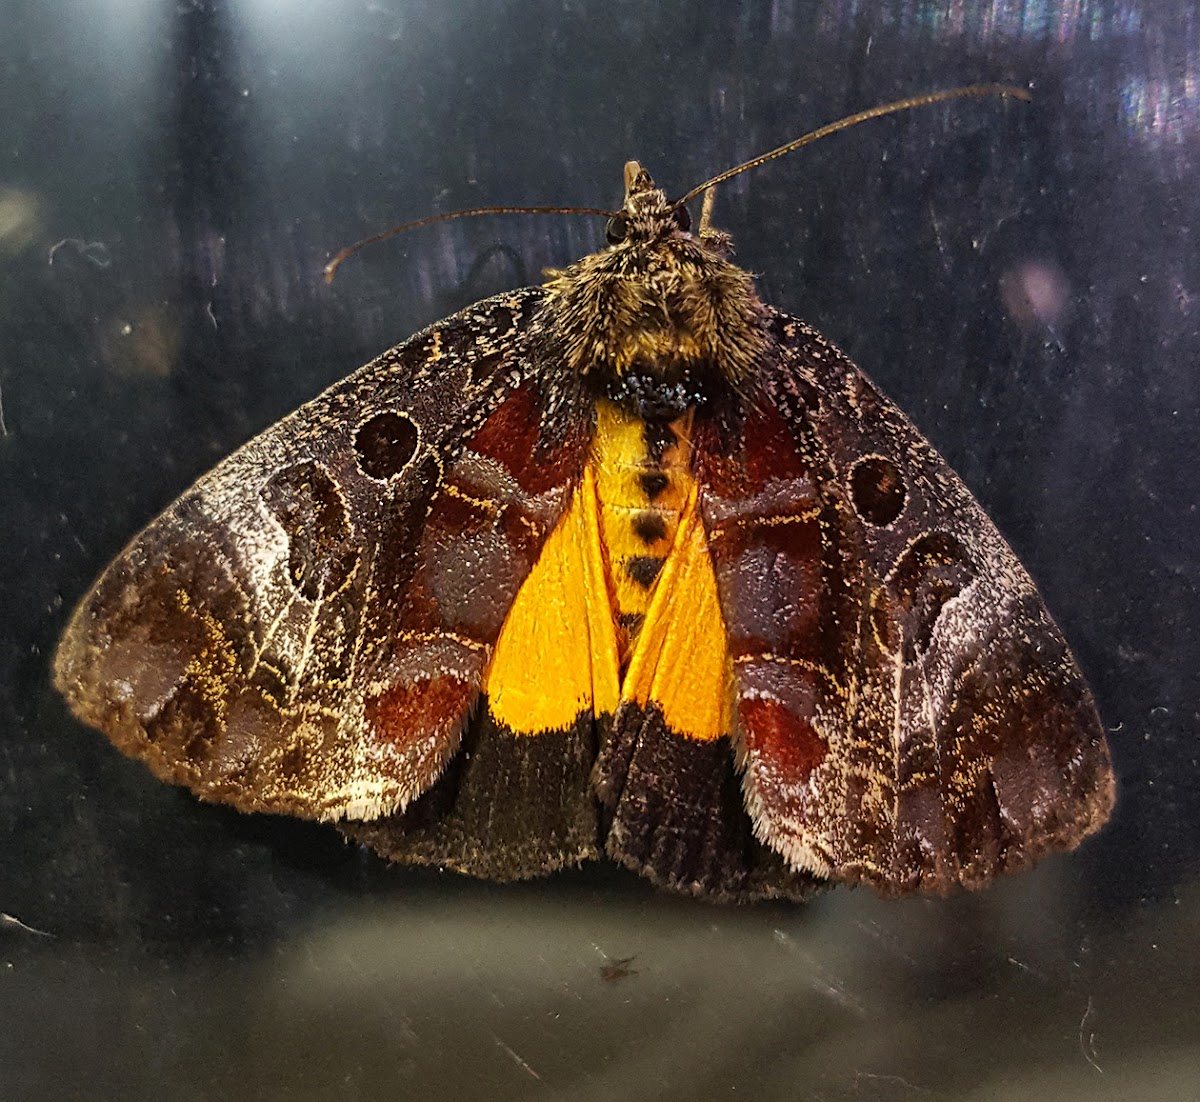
point(907, 712)
point(306, 629)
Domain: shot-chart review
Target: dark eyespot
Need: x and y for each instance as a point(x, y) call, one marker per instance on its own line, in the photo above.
point(617, 228)
point(683, 218)
point(877, 490)
point(386, 443)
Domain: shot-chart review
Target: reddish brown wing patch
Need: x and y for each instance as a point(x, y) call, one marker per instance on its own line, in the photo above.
point(909, 714)
point(784, 592)
point(516, 437)
point(774, 733)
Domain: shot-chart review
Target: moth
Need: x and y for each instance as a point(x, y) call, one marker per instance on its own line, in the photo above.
point(629, 564)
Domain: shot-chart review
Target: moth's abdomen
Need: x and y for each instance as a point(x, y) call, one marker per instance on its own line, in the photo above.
point(643, 483)
point(621, 608)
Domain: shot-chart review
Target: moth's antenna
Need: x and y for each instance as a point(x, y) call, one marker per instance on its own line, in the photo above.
point(332, 267)
point(853, 120)
point(1007, 90)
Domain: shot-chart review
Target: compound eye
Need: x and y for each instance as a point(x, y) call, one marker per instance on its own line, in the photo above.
point(617, 229)
point(683, 219)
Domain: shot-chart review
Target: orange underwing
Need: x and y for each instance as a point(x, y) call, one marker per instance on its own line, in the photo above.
point(626, 564)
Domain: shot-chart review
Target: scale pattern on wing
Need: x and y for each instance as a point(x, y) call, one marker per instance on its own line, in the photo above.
point(907, 714)
point(306, 629)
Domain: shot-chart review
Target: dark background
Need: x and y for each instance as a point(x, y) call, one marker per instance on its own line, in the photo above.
point(1021, 279)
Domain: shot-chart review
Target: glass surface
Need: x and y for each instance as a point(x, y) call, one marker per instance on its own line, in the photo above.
point(1022, 280)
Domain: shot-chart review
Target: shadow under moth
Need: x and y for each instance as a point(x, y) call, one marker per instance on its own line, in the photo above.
point(626, 564)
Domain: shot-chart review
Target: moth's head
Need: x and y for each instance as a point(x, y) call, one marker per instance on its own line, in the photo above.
point(646, 215)
point(659, 306)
